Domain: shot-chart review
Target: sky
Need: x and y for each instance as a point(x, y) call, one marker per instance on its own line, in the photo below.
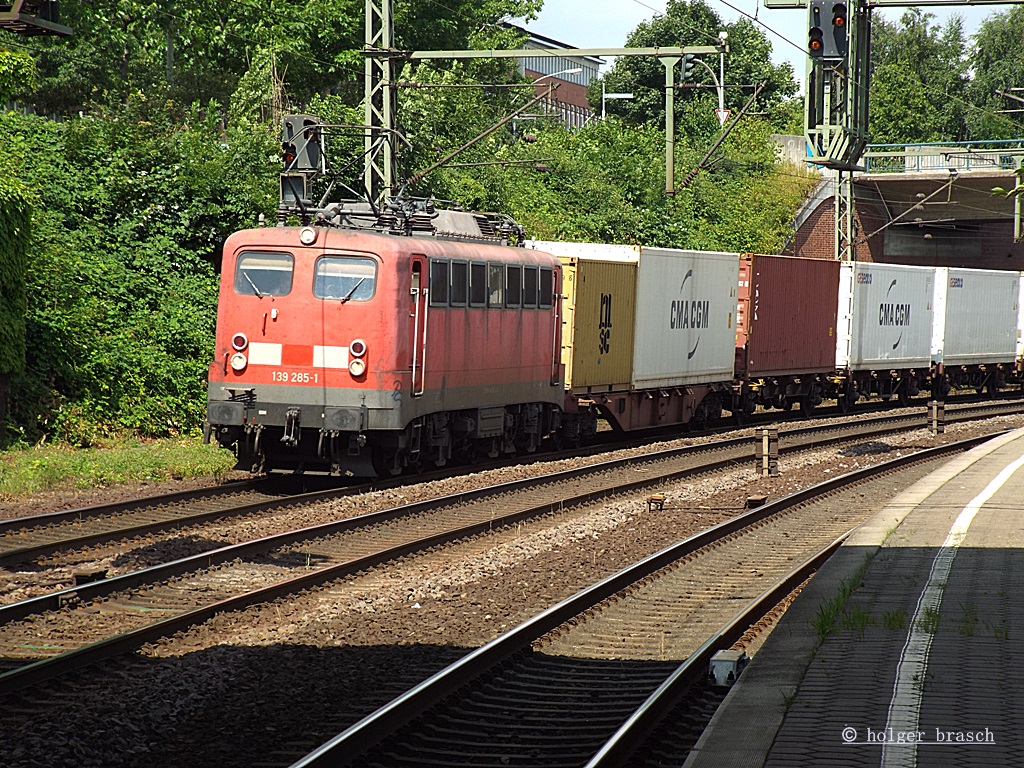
point(606, 23)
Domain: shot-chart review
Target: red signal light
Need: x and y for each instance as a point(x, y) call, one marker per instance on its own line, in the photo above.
point(815, 41)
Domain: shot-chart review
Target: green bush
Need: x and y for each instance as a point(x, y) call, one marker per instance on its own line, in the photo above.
point(15, 229)
point(132, 212)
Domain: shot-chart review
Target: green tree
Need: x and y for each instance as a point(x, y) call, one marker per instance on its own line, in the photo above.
point(920, 82)
point(122, 290)
point(695, 23)
point(15, 234)
point(17, 75)
point(200, 50)
point(997, 60)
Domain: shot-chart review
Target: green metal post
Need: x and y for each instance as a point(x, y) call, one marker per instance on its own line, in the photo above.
point(670, 122)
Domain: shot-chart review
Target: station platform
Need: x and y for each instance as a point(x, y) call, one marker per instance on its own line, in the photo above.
point(921, 667)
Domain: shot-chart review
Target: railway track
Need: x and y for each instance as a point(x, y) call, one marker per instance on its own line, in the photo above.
point(30, 538)
point(53, 634)
point(586, 681)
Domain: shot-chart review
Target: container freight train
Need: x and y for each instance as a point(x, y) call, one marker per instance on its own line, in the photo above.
point(805, 330)
point(358, 351)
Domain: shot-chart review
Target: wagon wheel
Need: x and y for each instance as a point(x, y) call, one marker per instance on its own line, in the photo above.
point(903, 395)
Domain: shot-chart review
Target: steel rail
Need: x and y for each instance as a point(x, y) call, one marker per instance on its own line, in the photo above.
point(28, 552)
point(374, 728)
point(153, 574)
point(98, 510)
point(634, 731)
point(36, 672)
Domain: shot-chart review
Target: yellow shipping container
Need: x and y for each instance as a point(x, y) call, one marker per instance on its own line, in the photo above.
point(599, 312)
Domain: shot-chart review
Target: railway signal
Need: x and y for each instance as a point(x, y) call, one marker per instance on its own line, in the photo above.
point(828, 41)
point(815, 42)
point(301, 143)
point(837, 44)
point(689, 61)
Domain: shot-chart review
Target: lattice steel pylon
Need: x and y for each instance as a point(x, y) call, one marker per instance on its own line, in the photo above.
point(380, 100)
point(844, 229)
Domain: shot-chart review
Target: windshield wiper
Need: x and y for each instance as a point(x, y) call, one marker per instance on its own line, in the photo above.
point(249, 280)
point(354, 287)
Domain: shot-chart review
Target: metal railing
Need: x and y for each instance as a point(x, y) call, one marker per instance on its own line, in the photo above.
point(939, 157)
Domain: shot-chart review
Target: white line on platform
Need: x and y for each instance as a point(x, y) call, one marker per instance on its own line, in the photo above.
point(905, 707)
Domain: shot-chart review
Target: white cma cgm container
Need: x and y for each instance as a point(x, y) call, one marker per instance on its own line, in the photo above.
point(885, 317)
point(976, 313)
point(685, 318)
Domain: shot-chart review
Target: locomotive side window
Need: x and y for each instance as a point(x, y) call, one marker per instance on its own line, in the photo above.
point(477, 284)
point(547, 287)
point(514, 289)
point(460, 283)
point(438, 282)
point(495, 285)
point(529, 286)
point(349, 278)
point(260, 273)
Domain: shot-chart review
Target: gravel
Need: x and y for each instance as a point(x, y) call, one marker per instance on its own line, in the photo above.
point(287, 675)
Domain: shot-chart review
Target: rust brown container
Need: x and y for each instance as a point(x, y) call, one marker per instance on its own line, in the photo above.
point(786, 316)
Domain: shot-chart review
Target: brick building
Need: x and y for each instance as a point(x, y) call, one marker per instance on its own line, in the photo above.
point(568, 100)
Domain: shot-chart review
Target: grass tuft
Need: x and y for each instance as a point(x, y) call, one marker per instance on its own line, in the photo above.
point(31, 470)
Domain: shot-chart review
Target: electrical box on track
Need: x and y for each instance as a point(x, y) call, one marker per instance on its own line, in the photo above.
point(726, 667)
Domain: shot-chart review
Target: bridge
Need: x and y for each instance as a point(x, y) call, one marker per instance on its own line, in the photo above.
point(926, 204)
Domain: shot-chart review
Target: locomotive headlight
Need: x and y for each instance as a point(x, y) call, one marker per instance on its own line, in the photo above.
point(238, 362)
point(239, 341)
point(307, 235)
point(357, 367)
point(357, 348)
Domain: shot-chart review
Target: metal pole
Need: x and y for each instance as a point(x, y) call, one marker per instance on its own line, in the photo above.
point(1017, 234)
point(721, 81)
point(670, 122)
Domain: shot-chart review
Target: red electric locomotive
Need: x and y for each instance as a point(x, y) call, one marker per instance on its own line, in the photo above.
point(357, 351)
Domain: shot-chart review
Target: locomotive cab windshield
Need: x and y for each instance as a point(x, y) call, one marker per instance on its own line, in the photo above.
point(348, 278)
point(264, 274)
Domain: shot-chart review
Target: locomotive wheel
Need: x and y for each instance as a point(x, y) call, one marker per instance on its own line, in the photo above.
point(471, 454)
point(387, 463)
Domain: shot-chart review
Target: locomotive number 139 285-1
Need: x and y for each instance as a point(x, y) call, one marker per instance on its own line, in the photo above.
point(295, 377)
